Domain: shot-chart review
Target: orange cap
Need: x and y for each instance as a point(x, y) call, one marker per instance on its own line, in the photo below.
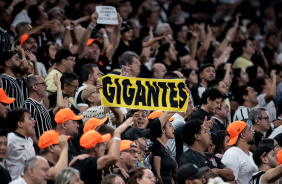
point(127, 144)
point(234, 129)
point(65, 115)
point(279, 155)
point(93, 123)
point(157, 114)
point(98, 42)
point(26, 36)
point(92, 137)
point(4, 98)
point(48, 138)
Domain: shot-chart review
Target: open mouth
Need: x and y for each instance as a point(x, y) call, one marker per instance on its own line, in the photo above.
point(140, 123)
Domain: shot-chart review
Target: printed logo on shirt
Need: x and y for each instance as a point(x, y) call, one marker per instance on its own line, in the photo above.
point(213, 162)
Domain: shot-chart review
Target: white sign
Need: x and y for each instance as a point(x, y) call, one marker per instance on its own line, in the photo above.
point(107, 15)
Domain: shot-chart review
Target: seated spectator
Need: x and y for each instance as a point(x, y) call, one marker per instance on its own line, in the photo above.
point(221, 117)
point(206, 74)
point(210, 100)
point(246, 97)
point(94, 145)
point(54, 148)
point(68, 175)
point(222, 143)
point(67, 125)
point(269, 170)
point(141, 175)
point(4, 107)
point(158, 70)
point(270, 143)
point(22, 126)
point(130, 60)
point(266, 88)
point(112, 179)
point(238, 158)
point(36, 170)
point(4, 174)
point(190, 173)
point(260, 121)
point(196, 136)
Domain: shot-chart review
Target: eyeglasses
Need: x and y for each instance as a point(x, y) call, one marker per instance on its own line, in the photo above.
point(43, 83)
point(266, 118)
point(72, 59)
point(132, 152)
point(75, 87)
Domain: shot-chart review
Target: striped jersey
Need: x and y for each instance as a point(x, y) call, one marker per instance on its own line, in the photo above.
point(6, 40)
point(40, 114)
point(15, 88)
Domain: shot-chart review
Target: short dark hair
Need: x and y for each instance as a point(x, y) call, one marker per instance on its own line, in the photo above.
point(257, 84)
point(135, 174)
point(204, 67)
point(266, 142)
point(212, 93)
point(30, 81)
point(170, 75)
point(191, 128)
point(14, 116)
point(127, 57)
point(214, 83)
point(3, 132)
point(34, 14)
point(242, 90)
point(163, 48)
point(86, 70)
point(67, 78)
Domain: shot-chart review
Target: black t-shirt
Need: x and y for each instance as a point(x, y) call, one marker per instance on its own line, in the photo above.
point(207, 160)
point(256, 178)
point(200, 114)
point(50, 181)
point(104, 64)
point(168, 163)
point(72, 152)
point(88, 170)
point(118, 171)
point(181, 48)
point(175, 65)
point(5, 177)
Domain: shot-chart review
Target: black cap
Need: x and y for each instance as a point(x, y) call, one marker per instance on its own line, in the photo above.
point(62, 54)
point(261, 152)
point(134, 133)
point(278, 138)
point(125, 27)
point(5, 56)
point(189, 171)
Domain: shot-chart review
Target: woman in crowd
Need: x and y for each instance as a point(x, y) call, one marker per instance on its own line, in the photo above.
point(141, 175)
point(69, 176)
point(112, 179)
point(240, 78)
point(46, 56)
point(191, 77)
point(222, 143)
point(253, 72)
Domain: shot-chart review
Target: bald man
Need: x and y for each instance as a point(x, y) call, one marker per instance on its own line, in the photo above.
point(158, 70)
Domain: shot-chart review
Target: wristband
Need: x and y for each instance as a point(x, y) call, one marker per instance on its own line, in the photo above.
point(59, 93)
point(116, 138)
point(23, 59)
point(105, 35)
point(69, 28)
point(91, 27)
point(228, 38)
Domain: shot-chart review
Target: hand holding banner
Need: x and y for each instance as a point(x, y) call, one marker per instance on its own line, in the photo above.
point(147, 94)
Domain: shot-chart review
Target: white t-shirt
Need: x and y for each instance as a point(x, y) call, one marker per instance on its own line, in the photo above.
point(21, 17)
point(242, 165)
point(270, 107)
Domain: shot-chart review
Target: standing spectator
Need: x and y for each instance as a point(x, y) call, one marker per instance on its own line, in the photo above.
point(211, 100)
point(46, 55)
point(206, 74)
point(131, 60)
point(196, 136)
point(20, 144)
point(191, 77)
point(4, 107)
point(13, 66)
point(167, 55)
point(240, 78)
point(270, 49)
point(6, 35)
point(36, 170)
point(5, 177)
point(246, 97)
point(248, 50)
point(64, 63)
point(30, 42)
point(266, 88)
point(238, 158)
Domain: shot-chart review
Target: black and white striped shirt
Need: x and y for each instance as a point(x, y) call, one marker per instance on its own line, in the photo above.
point(6, 40)
point(13, 89)
point(40, 114)
point(241, 114)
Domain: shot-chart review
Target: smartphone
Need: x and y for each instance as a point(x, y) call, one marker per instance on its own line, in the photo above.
point(122, 69)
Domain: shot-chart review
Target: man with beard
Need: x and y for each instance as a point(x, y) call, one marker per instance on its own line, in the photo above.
point(29, 42)
point(211, 100)
point(238, 158)
point(15, 88)
point(266, 160)
point(67, 125)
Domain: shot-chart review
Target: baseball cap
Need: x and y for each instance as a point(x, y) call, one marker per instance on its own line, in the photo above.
point(92, 40)
point(26, 36)
point(157, 114)
point(125, 27)
point(65, 115)
point(188, 171)
point(92, 137)
point(127, 144)
point(279, 155)
point(62, 54)
point(134, 133)
point(87, 92)
point(48, 138)
point(5, 56)
point(4, 98)
point(260, 152)
point(234, 129)
point(93, 123)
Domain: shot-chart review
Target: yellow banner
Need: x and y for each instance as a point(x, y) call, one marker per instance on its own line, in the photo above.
point(147, 94)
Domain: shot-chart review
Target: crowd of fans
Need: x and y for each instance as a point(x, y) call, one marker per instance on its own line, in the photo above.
point(54, 129)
